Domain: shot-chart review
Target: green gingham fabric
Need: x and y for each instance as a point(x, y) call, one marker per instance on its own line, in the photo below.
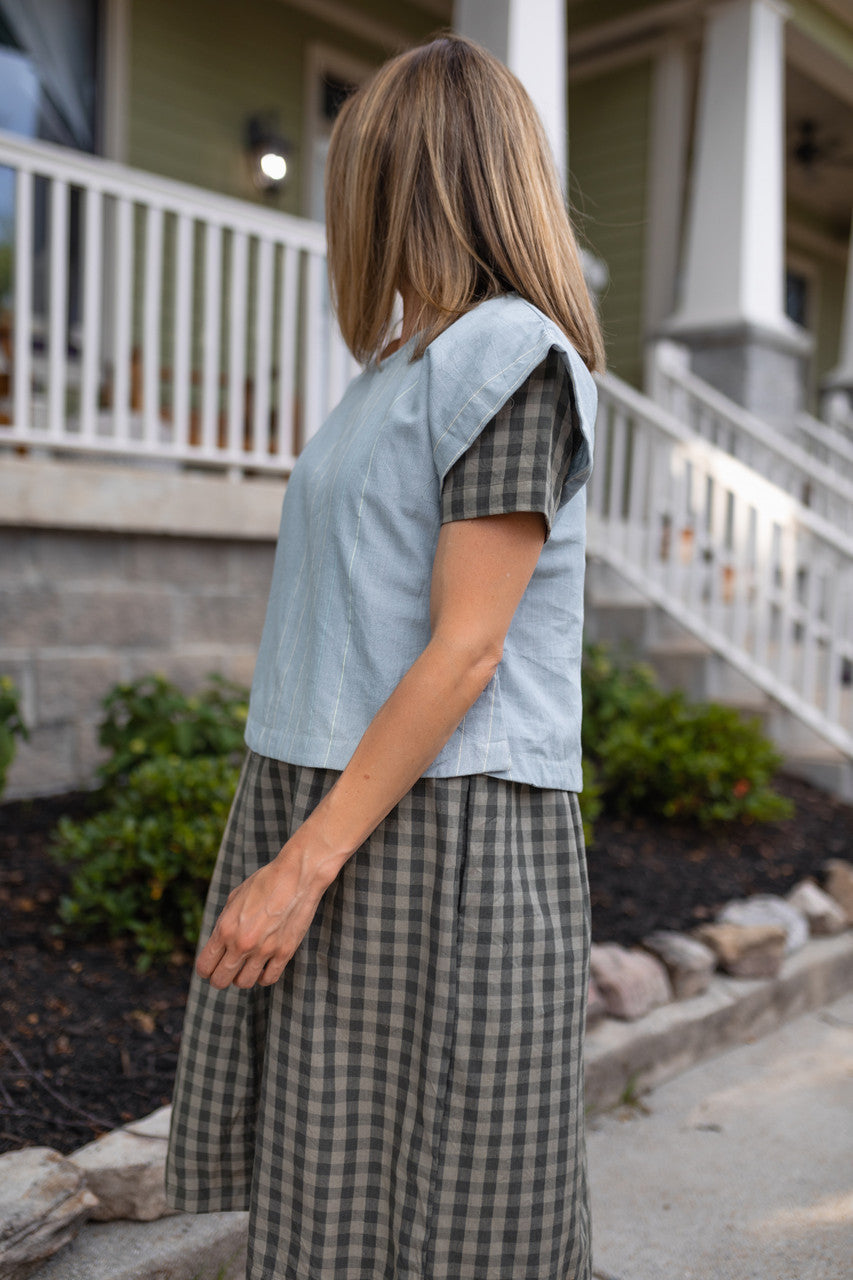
point(522, 458)
point(406, 1103)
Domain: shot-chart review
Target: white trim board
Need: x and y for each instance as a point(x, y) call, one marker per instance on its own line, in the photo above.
point(322, 59)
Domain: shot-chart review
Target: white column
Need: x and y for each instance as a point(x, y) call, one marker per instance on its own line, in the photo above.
point(530, 37)
point(668, 139)
point(734, 260)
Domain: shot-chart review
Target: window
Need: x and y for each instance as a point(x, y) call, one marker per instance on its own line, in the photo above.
point(797, 299)
point(48, 70)
point(331, 77)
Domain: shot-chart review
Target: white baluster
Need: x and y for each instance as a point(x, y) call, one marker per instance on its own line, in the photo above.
point(287, 339)
point(92, 258)
point(182, 332)
point(210, 377)
point(123, 285)
point(314, 356)
point(58, 309)
point(237, 344)
point(263, 349)
point(23, 353)
point(151, 327)
point(616, 487)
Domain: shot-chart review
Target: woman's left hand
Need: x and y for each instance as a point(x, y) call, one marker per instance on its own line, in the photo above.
point(263, 922)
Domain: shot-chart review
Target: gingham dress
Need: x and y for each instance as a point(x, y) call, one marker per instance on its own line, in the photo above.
point(406, 1103)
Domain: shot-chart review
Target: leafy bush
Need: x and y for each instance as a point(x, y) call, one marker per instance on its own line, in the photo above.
point(590, 799)
point(152, 717)
point(11, 725)
point(141, 867)
point(655, 753)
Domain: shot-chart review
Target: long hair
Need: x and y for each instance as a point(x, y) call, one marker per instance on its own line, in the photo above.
point(440, 181)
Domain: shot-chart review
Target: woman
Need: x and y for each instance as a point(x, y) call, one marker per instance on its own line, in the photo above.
point(382, 1055)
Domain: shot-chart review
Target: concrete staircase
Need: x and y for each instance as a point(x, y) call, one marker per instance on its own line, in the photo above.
point(619, 614)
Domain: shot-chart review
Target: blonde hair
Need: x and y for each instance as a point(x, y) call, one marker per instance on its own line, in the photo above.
point(440, 181)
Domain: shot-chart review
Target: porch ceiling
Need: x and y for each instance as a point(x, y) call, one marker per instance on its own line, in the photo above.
point(826, 183)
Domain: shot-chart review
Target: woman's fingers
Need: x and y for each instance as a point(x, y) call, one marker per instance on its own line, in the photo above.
point(257, 933)
point(210, 956)
point(250, 973)
point(272, 972)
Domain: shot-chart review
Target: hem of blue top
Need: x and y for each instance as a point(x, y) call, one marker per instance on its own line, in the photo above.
point(479, 758)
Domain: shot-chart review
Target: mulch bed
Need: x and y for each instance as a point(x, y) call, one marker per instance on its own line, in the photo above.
point(87, 1043)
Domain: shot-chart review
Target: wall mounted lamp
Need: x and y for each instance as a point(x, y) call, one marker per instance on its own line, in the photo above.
point(268, 152)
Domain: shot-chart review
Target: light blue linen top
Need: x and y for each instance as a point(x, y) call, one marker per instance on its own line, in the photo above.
point(348, 612)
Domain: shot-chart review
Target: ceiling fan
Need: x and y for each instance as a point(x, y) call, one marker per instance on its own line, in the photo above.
point(812, 148)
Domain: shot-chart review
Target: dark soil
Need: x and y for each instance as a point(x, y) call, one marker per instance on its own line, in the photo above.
point(88, 1043)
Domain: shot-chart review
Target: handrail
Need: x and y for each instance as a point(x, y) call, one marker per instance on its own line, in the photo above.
point(763, 580)
point(818, 484)
point(80, 169)
point(826, 442)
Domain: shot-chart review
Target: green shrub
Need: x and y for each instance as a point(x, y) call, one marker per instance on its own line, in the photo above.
point(141, 867)
point(657, 754)
point(590, 799)
point(152, 717)
point(11, 725)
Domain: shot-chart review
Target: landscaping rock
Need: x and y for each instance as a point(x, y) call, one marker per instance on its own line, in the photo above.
point(595, 1008)
point(839, 884)
point(768, 908)
point(745, 950)
point(631, 982)
point(44, 1202)
point(825, 915)
point(125, 1169)
point(688, 961)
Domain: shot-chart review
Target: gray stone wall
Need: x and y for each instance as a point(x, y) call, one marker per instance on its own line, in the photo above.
point(80, 611)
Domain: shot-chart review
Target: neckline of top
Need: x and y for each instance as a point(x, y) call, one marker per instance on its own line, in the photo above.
point(375, 363)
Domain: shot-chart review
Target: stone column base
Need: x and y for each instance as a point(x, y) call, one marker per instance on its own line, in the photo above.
point(762, 369)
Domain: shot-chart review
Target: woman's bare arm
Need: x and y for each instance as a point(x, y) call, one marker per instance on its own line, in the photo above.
point(480, 572)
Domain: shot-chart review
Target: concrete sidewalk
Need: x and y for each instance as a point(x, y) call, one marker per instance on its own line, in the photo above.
point(741, 1168)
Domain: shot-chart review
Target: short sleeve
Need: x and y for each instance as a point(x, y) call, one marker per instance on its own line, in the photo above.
point(521, 459)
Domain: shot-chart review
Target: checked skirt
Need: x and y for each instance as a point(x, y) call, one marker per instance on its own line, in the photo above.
point(406, 1103)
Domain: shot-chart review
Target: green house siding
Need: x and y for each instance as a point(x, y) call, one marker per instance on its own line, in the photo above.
point(608, 176)
point(200, 68)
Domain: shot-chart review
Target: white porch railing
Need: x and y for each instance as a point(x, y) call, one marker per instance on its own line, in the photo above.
point(837, 410)
point(759, 577)
point(820, 476)
point(152, 319)
point(829, 443)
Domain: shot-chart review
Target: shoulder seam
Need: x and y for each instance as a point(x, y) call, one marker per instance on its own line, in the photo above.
point(447, 430)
